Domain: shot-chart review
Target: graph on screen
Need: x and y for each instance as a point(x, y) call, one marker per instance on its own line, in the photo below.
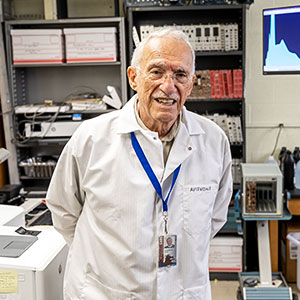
point(281, 40)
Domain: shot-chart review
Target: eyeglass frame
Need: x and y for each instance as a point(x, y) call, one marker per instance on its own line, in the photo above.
point(165, 74)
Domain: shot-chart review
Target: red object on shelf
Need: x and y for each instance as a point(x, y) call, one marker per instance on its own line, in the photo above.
point(237, 83)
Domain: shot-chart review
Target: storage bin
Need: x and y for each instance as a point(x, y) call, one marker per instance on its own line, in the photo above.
point(294, 238)
point(37, 46)
point(225, 254)
point(90, 44)
point(38, 168)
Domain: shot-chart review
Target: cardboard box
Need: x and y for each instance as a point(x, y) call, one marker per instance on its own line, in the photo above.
point(287, 257)
point(90, 44)
point(37, 46)
point(225, 254)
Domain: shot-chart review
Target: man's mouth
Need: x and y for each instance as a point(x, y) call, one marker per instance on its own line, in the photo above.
point(165, 101)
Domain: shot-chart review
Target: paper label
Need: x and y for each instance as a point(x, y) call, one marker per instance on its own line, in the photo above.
point(8, 282)
point(294, 247)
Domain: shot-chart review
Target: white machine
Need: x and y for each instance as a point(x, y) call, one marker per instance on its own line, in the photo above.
point(262, 190)
point(262, 200)
point(51, 129)
point(38, 273)
point(11, 215)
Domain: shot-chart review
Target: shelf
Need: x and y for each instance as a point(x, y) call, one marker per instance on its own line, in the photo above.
point(215, 100)
point(34, 142)
point(286, 215)
point(218, 53)
point(34, 178)
point(65, 114)
point(187, 8)
point(116, 63)
point(101, 111)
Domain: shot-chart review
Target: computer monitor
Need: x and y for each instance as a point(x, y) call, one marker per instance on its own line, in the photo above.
point(281, 40)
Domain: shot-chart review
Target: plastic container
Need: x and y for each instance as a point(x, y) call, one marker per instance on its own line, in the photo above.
point(271, 160)
point(288, 170)
point(281, 156)
point(91, 44)
point(293, 238)
point(297, 175)
point(296, 154)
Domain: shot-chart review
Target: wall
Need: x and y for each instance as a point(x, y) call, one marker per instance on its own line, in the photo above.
point(270, 99)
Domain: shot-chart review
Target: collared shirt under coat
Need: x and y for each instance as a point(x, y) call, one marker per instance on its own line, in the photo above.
point(107, 210)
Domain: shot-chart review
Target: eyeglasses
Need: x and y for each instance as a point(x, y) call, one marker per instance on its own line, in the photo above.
point(180, 77)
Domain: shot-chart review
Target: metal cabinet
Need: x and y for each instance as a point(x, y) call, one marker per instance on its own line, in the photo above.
point(32, 84)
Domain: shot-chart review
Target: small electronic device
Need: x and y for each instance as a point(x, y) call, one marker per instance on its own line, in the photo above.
point(203, 37)
point(51, 129)
point(261, 190)
point(40, 108)
point(8, 192)
point(281, 43)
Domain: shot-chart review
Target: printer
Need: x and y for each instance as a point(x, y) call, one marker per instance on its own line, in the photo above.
point(37, 274)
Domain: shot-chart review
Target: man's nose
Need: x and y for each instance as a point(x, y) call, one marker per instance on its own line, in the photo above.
point(168, 84)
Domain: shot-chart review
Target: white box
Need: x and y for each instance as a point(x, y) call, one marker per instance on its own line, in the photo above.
point(90, 44)
point(38, 273)
point(48, 129)
point(37, 46)
point(225, 254)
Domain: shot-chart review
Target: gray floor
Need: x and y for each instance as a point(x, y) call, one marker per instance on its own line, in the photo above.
point(226, 290)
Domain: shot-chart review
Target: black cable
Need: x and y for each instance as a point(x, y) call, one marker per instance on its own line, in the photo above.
point(280, 127)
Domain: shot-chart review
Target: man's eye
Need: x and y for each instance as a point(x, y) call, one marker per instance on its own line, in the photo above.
point(156, 72)
point(181, 75)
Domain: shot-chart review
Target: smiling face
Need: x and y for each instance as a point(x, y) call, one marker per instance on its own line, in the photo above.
point(169, 241)
point(163, 82)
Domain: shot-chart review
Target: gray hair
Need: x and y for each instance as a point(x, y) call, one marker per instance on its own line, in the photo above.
point(138, 52)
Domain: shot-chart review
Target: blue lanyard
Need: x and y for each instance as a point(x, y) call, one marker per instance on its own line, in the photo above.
point(143, 160)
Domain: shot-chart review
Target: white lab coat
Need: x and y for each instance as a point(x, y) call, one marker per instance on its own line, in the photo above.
point(107, 210)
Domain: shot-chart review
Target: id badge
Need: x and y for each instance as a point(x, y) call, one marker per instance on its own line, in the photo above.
point(167, 250)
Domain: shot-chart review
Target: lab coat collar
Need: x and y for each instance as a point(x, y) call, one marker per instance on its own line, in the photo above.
point(128, 122)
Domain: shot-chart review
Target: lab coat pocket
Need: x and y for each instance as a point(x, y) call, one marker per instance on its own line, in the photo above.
point(196, 293)
point(198, 202)
point(95, 290)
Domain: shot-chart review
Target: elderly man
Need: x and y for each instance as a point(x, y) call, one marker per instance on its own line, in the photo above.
point(128, 180)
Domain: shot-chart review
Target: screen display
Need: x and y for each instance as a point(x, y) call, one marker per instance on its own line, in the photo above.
point(281, 40)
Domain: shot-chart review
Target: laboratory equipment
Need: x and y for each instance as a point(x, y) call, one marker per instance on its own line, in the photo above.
point(262, 200)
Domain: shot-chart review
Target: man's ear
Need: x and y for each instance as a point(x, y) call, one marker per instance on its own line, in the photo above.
point(191, 85)
point(132, 74)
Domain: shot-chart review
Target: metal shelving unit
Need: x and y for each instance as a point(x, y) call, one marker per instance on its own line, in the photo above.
point(34, 83)
point(202, 14)
point(205, 60)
